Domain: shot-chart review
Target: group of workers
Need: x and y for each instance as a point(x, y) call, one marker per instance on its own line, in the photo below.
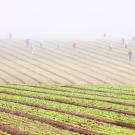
point(125, 44)
point(74, 45)
point(130, 53)
point(29, 45)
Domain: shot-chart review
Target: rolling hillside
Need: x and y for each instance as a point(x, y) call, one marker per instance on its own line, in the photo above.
point(67, 109)
point(57, 62)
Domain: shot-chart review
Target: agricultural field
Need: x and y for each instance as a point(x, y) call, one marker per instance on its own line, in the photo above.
point(56, 62)
point(51, 109)
point(53, 88)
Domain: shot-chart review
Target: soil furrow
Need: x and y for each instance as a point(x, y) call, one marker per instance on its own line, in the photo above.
point(98, 90)
point(53, 89)
point(75, 103)
point(99, 119)
point(13, 131)
point(41, 67)
point(116, 89)
point(93, 99)
point(51, 122)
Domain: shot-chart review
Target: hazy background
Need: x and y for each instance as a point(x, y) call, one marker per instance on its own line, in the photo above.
point(67, 19)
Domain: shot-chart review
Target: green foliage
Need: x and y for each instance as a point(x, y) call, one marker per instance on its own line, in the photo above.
point(37, 128)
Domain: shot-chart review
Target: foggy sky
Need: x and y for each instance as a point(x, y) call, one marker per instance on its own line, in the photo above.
point(67, 19)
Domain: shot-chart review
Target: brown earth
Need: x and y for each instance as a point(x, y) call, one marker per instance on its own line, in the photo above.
point(54, 123)
point(100, 119)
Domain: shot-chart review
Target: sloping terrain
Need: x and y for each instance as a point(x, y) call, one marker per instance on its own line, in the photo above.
point(58, 62)
point(67, 110)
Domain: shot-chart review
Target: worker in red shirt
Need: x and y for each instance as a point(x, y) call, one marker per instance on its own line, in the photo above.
point(74, 45)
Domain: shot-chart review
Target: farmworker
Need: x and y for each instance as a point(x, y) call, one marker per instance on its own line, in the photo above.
point(58, 46)
point(104, 35)
point(133, 38)
point(27, 42)
point(32, 49)
point(10, 36)
point(123, 41)
point(110, 46)
point(125, 44)
point(41, 45)
point(130, 54)
point(74, 45)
